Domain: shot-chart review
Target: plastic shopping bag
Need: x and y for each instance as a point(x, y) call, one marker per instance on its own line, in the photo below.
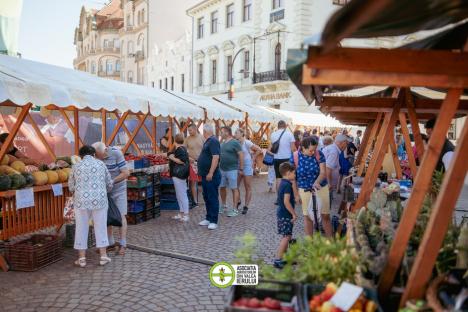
point(314, 209)
point(114, 218)
point(69, 211)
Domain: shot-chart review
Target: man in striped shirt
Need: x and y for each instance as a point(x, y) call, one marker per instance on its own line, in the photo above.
point(117, 166)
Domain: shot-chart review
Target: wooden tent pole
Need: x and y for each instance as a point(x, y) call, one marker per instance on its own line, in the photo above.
point(131, 139)
point(420, 188)
point(439, 221)
point(76, 121)
point(381, 148)
point(171, 125)
point(155, 124)
point(128, 133)
point(69, 123)
point(117, 128)
point(14, 131)
point(409, 149)
point(365, 141)
point(396, 160)
point(104, 125)
point(145, 129)
point(42, 138)
point(368, 146)
point(414, 124)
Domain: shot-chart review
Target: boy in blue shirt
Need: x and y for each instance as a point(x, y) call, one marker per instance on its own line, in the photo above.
point(285, 213)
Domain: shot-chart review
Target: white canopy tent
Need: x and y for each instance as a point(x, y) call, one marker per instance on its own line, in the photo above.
point(23, 81)
point(311, 119)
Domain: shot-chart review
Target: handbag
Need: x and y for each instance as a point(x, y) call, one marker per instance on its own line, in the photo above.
point(268, 159)
point(313, 209)
point(114, 217)
point(69, 211)
point(276, 145)
point(181, 171)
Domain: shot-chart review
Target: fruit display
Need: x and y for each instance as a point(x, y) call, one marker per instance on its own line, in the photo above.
point(321, 302)
point(267, 304)
point(157, 159)
point(165, 175)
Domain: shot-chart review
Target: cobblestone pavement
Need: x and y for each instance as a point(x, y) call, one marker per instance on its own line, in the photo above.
point(141, 281)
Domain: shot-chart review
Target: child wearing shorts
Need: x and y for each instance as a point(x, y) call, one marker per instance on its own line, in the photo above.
point(286, 216)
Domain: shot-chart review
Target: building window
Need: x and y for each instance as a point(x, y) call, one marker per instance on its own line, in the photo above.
point(109, 66)
point(160, 83)
point(230, 15)
point(247, 10)
point(200, 75)
point(117, 65)
point(129, 22)
point(214, 72)
point(182, 83)
point(277, 4)
point(172, 83)
point(130, 47)
point(200, 28)
point(229, 68)
point(246, 64)
point(93, 67)
point(139, 18)
point(165, 83)
point(152, 84)
point(130, 76)
point(278, 57)
point(143, 15)
point(214, 22)
point(106, 43)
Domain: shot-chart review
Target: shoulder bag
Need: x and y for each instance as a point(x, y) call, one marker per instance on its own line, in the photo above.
point(275, 146)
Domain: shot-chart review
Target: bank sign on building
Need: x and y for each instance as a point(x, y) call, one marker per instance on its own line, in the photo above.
point(245, 43)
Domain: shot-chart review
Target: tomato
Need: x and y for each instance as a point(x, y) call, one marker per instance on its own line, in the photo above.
point(254, 303)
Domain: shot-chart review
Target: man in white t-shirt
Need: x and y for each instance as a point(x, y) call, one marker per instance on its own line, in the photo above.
point(285, 150)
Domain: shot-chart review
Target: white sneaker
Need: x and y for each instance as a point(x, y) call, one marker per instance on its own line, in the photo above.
point(212, 226)
point(204, 223)
point(185, 218)
point(177, 217)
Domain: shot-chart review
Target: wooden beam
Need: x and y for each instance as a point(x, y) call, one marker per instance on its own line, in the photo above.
point(42, 138)
point(141, 122)
point(339, 77)
point(69, 123)
point(170, 140)
point(145, 129)
point(155, 130)
point(394, 61)
point(364, 142)
point(420, 189)
point(396, 160)
point(409, 148)
point(120, 122)
point(439, 221)
point(104, 125)
point(14, 131)
point(368, 146)
point(76, 120)
point(128, 133)
point(414, 124)
point(381, 148)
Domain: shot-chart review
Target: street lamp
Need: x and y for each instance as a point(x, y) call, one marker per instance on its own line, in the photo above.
point(231, 80)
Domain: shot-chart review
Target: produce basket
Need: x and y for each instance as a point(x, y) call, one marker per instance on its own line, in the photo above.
point(136, 218)
point(289, 294)
point(34, 253)
point(69, 240)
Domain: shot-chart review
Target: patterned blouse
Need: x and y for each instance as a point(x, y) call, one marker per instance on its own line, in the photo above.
point(90, 181)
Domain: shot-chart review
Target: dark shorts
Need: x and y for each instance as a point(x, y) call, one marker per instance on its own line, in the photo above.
point(285, 226)
point(276, 164)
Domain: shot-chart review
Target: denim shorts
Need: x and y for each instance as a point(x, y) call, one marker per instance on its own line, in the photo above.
point(229, 179)
point(248, 169)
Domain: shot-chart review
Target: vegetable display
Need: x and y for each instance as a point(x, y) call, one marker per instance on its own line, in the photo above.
point(321, 302)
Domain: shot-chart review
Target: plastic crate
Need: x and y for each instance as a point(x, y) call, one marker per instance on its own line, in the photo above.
point(137, 194)
point(34, 253)
point(141, 163)
point(285, 292)
point(310, 290)
point(136, 218)
point(149, 191)
point(141, 181)
point(157, 210)
point(69, 240)
point(136, 206)
point(166, 181)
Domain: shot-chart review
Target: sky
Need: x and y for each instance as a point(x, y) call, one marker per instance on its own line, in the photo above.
point(47, 29)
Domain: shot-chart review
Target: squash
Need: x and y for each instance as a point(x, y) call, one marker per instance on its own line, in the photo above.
point(40, 178)
point(5, 160)
point(68, 171)
point(29, 179)
point(5, 183)
point(18, 166)
point(62, 176)
point(17, 181)
point(52, 177)
point(4, 169)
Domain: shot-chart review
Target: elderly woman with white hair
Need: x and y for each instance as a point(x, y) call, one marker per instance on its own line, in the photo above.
point(117, 166)
point(208, 169)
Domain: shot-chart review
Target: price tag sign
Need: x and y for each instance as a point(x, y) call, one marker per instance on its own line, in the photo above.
point(346, 296)
point(57, 189)
point(131, 165)
point(24, 198)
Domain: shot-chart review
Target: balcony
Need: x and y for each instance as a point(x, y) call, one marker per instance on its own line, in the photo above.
point(115, 73)
point(139, 56)
point(269, 76)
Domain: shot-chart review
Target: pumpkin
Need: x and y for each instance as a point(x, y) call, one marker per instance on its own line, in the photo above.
point(5, 160)
point(17, 181)
point(52, 177)
point(5, 183)
point(7, 170)
point(18, 166)
point(62, 175)
point(29, 179)
point(40, 178)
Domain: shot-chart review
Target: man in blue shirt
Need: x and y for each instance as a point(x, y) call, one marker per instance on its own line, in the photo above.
point(208, 169)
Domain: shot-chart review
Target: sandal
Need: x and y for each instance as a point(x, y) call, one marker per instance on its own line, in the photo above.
point(81, 262)
point(122, 250)
point(104, 260)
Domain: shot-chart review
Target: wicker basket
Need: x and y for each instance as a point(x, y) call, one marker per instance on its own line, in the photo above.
point(70, 236)
point(34, 253)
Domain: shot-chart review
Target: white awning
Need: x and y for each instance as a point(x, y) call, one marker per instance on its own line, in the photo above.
point(315, 119)
point(23, 81)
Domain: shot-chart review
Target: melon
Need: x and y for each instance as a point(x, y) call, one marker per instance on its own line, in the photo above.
point(62, 176)
point(68, 171)
point(40, 178)
point(52, 177)
point(4, 169)
point(29, 179)
point(18, 166)
point(17, 181)
point(5, 183)
point(5, 160)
